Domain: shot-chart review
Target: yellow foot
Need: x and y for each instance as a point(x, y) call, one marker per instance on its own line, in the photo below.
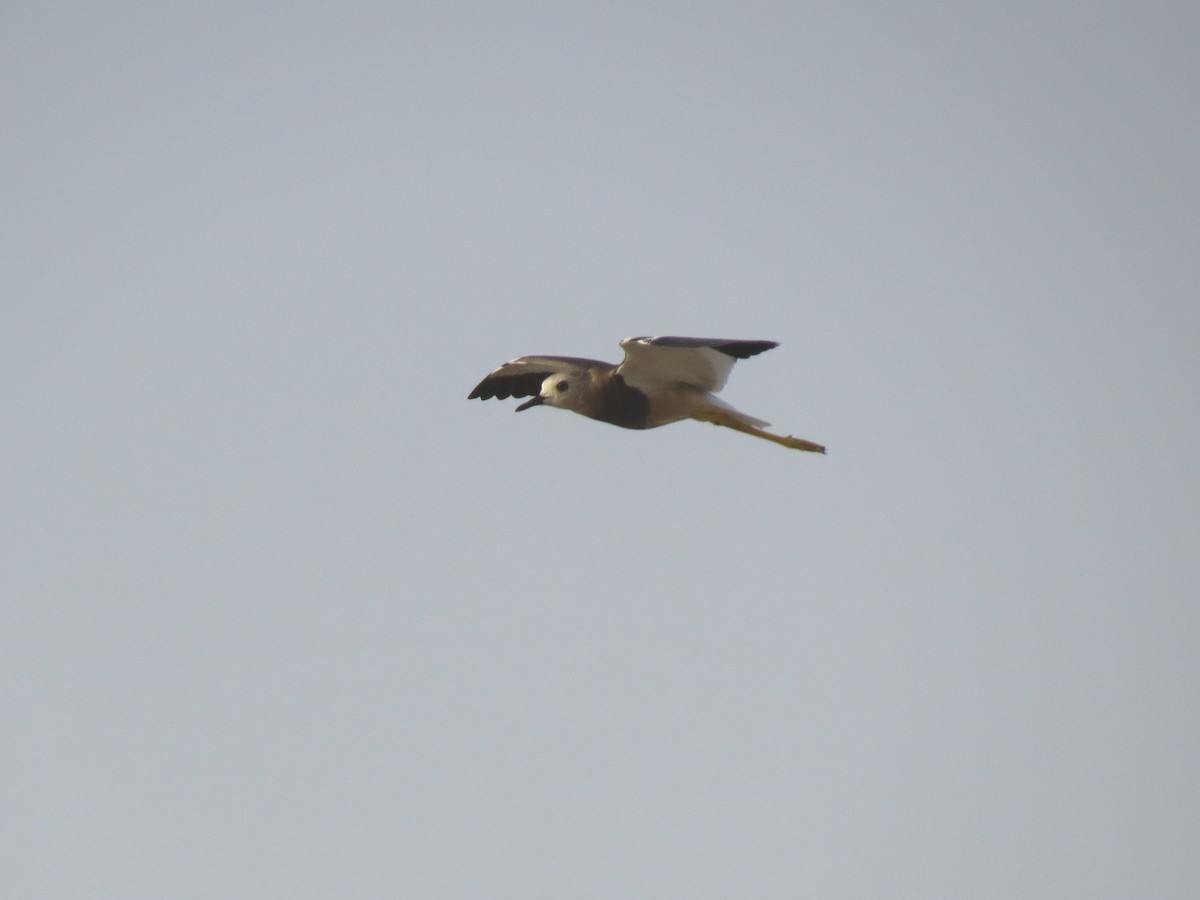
point(796, 443)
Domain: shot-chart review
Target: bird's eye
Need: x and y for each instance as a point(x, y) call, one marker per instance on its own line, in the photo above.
point(561, 386)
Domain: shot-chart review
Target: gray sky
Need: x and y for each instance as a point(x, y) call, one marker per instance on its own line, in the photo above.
point(285, 616)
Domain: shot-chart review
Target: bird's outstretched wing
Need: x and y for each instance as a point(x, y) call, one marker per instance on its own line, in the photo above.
point(703, 363)
point(523, 377)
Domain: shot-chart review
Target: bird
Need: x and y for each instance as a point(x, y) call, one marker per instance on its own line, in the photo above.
point(661, 380)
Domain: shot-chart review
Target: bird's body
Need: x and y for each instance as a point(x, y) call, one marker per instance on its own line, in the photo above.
point(613, 401)
point(660, 381)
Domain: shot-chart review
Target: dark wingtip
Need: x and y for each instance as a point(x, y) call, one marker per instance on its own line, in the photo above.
point(746, 349)
point(730, 347)
point(502, 387)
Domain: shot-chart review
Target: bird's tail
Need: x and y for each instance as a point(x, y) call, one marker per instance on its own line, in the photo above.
point(721, 407)
point(720, 413)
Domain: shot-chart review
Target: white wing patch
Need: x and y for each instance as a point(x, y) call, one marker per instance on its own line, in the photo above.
point(648, 364)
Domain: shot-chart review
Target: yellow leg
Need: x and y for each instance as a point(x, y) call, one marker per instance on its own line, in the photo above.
point(716, 417)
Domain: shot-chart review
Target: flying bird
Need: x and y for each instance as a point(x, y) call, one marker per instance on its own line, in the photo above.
point(660, 381)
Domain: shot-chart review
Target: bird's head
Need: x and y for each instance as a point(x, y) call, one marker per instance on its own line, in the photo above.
point(562, 389)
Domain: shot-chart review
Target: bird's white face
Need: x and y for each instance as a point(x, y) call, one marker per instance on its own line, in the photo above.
point(563, 389)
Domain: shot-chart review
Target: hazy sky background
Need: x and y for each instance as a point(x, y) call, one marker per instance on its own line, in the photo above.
point(285, 616)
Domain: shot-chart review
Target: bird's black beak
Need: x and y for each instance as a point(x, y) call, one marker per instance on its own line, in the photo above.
point(536, 400)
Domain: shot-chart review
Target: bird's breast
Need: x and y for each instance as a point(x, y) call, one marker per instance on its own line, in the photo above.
point(612, 400)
